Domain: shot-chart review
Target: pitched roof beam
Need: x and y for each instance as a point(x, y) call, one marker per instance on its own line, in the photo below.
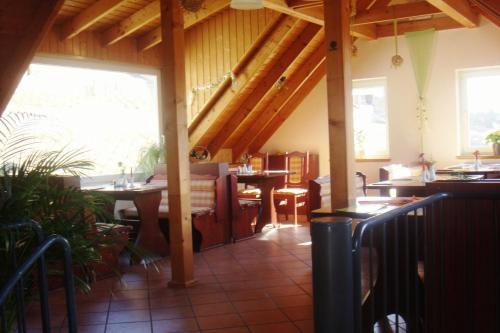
point(131, 24)
point(459, 10)
point(88, 17)
point(251, 62)
point(266, 111)
point(442, 23)
point(210, 8)
point(288, 108)
point(390, 13)
point(274, 69)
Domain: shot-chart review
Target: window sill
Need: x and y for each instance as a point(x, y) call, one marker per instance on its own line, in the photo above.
point(481, 157)
point(374, 159)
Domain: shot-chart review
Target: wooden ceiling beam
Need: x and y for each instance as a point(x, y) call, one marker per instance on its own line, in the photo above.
point(248, 66)
point(288, 108)
point(297, 4)
point(273, 71)
point(131, 24)
point(390, 13)
point(489, 9)
point(18, 46)
point(265, 112)
point(210, 8)
point(442, 23)
point(459, 10)
point(364, 4)
point(366, 31)
point(282, 7)
point(88, 17)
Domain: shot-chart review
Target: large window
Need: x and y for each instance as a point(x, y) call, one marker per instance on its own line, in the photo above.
point(111, 113)
point(371, 139)
point(479, 104)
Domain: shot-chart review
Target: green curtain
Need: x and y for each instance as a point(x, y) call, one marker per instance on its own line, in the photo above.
point(421, 45)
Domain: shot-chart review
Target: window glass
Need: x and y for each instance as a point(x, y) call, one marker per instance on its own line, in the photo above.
point(370, 118)
point(479, 106)
point(111, 114)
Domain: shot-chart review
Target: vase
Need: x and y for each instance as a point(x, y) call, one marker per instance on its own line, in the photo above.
point(496, 149)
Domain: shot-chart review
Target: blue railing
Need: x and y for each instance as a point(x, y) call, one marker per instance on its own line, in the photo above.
point(14, 284)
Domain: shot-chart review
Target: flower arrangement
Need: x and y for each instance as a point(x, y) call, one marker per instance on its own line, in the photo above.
point(493, 137)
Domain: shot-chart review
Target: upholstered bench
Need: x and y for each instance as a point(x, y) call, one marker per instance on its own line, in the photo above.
point(208, 231)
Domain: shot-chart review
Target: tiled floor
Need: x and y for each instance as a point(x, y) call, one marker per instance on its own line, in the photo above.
point(258, 285)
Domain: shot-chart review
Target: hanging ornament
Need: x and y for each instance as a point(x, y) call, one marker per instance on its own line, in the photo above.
point(396, 59)
point(191, 5)
point(199, 153)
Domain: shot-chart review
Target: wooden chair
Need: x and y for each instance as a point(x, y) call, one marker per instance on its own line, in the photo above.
point(289, 199)
point(360, 184)
point(245, 214)
point(259, 163)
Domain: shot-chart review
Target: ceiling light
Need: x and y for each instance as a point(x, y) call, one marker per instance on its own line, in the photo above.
point(246, 4)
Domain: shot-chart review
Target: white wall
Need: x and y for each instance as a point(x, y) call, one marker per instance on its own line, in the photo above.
point(306, 128)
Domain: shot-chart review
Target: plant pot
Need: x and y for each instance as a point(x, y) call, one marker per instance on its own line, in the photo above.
point(496, 149)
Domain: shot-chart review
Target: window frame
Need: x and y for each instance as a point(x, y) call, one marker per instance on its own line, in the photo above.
point(462, 75)
point(373, 82)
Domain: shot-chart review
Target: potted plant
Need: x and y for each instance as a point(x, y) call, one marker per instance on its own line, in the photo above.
point(494, 139)
point(28, 192)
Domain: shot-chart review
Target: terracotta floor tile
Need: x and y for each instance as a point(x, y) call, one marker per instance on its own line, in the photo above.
point(166, 302)
point(91, 328)
point(254, 305)
point(92, 307)
point(213, 309)
point(298, 312)
point(208, 298)
point(305, 326)
point(92, 318)
point(132, 304)
point(172, 313)
point(284, 291)
point(288, 301)
point(274, 328)
point(128, 316)
point(122, 295)
point(263, 317)
point(141, 327)
point(244, 295)
point(175, 325)
point(229, 330)
point(220, 321)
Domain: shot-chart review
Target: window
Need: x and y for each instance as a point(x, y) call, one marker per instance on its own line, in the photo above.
point(479, 105)
point(371, 139)
point(109, 112)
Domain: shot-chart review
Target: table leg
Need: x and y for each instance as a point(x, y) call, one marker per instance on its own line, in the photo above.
point(268, 211)
point(150, 237)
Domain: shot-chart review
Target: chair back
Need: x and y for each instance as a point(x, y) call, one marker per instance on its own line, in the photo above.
point(360, 184)
point(233, 194)
point(298, 164)
point(259, 161)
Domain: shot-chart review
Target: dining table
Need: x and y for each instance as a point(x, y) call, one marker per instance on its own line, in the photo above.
point(146, 199)
point(415, 186)
point(266, 181)
point(487, 170)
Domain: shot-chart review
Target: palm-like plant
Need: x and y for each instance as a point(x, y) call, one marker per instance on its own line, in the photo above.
point(27, 191)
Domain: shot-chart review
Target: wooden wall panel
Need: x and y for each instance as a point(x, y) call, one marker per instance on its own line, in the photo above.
point(214, 46)
point(88, 45)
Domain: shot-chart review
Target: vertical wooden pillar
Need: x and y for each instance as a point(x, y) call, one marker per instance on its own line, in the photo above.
point(339, 91)
point(174, 119)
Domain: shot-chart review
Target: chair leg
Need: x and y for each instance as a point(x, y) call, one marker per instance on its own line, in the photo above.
point(295, 211)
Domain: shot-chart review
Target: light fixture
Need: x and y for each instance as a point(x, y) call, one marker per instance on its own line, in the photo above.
point(246, 4)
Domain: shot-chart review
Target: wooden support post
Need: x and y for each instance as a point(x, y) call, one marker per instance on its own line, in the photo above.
point(340, 123)
point(174, 120)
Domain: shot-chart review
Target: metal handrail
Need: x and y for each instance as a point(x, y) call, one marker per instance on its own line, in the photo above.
point(38, 255)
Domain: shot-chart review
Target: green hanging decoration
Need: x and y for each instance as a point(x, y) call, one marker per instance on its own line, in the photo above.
point(420, 45)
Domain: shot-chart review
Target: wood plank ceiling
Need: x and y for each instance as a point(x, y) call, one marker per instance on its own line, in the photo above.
point(248, 70)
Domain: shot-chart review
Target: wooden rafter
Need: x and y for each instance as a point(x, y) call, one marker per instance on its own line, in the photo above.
point(269, 108)
point(277, 66)
point(364, 4)
point(19, 43)
point(131, 24)
point(459, 10)
point(88, 17)
point(297, 4)
point(441, 23)
point(260, 51)
point(282, 7)
point(367, 31)
point(210, 8)
point(389, 13)
point(490, 9)
point(287, 108)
